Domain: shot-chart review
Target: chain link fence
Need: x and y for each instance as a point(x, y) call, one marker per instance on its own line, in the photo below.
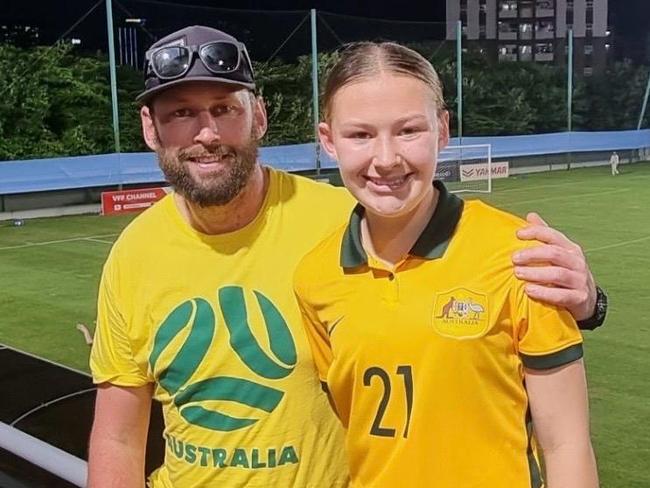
point(56, 84)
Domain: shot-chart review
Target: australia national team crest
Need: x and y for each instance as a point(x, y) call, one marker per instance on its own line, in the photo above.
point(461, 314)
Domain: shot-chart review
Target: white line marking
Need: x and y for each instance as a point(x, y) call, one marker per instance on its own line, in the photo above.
point(537, 187)
point(46, 360)
point(47, 243)
point(565, 197)
point(99, 240)
point(618, 244)
point(523, 187)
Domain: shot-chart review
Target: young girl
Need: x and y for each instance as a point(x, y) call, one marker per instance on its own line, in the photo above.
point(436, 388)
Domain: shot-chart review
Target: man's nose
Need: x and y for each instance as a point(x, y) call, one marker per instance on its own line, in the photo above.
point(208, 130)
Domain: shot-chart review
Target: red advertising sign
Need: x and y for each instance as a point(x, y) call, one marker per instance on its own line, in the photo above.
point(117, 202)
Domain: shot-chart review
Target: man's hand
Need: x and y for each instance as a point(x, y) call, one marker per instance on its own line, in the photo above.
point(557, 270)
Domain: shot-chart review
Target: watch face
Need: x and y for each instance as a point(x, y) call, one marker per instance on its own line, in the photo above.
point(601, 303)
point(597, 319)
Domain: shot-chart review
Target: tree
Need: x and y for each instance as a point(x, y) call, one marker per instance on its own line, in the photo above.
point(59, 104)
point(616, 97)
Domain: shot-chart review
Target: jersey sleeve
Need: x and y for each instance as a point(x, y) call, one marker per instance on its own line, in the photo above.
point(112, 358)
point(316, 331)
point(548, 336)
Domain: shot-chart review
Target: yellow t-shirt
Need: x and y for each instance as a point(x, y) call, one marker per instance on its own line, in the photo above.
point(213, 322)
point(425, 362)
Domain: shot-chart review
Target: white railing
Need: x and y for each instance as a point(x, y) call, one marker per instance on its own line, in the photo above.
point(52, 459)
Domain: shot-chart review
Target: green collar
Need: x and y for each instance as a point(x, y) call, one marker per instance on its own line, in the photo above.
point(431, 244)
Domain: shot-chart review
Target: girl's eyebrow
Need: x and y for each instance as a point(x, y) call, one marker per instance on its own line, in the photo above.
point(400, 120)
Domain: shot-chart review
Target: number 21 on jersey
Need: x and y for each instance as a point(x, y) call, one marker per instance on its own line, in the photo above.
point(399, 382)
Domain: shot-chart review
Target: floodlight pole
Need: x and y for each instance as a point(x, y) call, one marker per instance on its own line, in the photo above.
point(645, 104)
point(314, 86)
point(569, 89)
point(569, 82)
point(111, 63)
point(459, 79)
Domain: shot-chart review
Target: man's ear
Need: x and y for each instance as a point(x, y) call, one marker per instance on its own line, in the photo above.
point(149, 129)
point(327, 140)
point(260, 119)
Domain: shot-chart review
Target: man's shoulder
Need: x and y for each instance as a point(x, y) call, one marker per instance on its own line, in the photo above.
point(146, 226)
point(312, 203)
point(309, 190)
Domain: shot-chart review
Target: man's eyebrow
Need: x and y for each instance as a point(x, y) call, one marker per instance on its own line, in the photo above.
point(190, 99)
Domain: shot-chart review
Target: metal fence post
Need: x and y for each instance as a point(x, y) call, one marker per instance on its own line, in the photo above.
point(314, 86)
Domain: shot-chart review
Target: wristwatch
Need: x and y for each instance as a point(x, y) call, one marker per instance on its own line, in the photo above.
point(597, 319)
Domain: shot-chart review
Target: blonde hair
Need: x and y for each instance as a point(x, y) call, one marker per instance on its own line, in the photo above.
point(366, 59)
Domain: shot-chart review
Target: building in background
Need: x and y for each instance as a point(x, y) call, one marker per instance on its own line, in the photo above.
point(19, 34)
point(535, 30)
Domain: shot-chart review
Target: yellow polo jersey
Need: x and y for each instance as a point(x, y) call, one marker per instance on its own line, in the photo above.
point(212, 321)
point(425, 363)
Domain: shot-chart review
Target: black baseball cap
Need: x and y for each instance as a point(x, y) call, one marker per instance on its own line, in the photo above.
point(192, 38)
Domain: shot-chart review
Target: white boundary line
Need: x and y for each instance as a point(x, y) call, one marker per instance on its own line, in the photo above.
point(69, 368)
point(539, 187)
point(99, 240)
point(563, 197)
point(554, 185)
point(47, 243)
point(618, 244)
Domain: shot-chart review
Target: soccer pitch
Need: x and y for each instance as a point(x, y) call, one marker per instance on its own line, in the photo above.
point(50, 270)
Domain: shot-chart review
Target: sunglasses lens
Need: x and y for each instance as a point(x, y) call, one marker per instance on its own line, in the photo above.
point(170, 62)
point(220, 57)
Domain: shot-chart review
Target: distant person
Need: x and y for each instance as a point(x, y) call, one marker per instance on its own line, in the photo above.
point(613, 162)
point(196, 307)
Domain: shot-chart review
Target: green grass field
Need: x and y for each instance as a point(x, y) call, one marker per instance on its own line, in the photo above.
point(49, 271)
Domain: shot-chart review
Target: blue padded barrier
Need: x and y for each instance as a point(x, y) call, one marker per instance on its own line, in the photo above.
point(134, 168)
point(561, 142)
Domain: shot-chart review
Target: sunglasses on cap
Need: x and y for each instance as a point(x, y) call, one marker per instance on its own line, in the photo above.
point(218, 57)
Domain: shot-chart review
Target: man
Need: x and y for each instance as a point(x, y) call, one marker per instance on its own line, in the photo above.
point(613, 162)
point(196, 306)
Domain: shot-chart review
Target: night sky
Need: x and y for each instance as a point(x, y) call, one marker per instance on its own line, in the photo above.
point(629, 19)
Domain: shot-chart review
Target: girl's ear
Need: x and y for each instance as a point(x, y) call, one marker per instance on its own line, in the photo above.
point(326, 139)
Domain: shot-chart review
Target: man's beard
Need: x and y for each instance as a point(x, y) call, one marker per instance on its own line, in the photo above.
point(218, 188)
